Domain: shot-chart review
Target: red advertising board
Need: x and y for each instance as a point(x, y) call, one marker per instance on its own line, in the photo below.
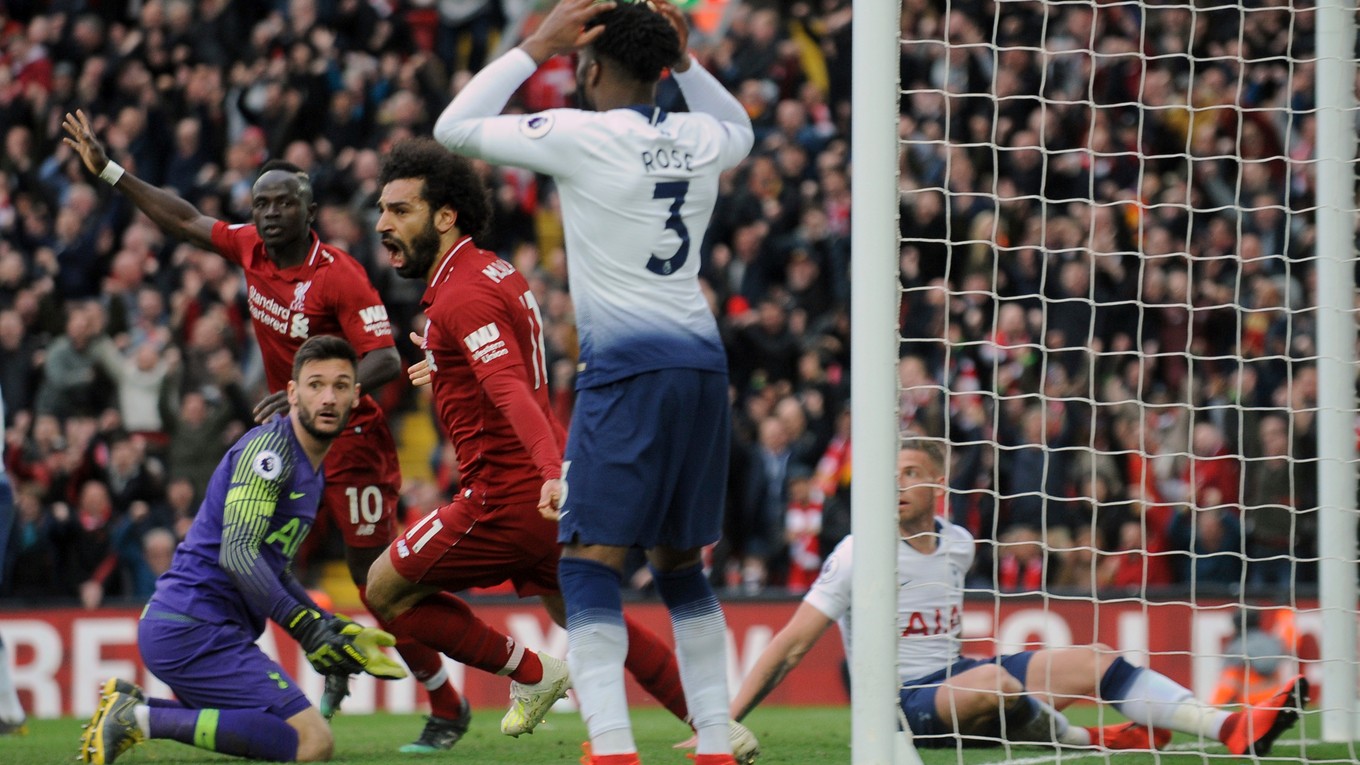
point(61, 656)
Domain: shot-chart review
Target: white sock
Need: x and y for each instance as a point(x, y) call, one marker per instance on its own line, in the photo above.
point(701, 651)
point(1158, 701)
point(11, 711)
point(143, 714)
point(595, 651)
point(436, 680)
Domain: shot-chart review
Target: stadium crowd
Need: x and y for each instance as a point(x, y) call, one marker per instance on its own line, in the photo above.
point(1106, 240)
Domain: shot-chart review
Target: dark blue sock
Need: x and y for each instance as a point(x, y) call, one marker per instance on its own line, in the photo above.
point(241, 732)
point(685, 591)
point(1114, 685)
point(591, 591)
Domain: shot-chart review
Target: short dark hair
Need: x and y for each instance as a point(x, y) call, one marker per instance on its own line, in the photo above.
point(304, 180)
point(638, 39)
point(932, 449)
point(322, 348)
point(280, 164)
point(449, 181)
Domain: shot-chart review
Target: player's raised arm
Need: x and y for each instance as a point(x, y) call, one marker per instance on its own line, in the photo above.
point(705, 94)
point(470, 125)
point(175, 216)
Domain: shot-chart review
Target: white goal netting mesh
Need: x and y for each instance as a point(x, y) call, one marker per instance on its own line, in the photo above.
point(1109, 289)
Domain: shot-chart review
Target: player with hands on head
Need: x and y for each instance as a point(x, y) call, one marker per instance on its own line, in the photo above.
point(230, 574)
point(648, 447)
point(300, 287)
point(946, 698)
point(484, 358)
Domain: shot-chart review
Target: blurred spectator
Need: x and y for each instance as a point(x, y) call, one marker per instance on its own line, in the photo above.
point(1213, 537)
point(79, 367)
point(85, 549)
point(1268, 512)
point(802, 526)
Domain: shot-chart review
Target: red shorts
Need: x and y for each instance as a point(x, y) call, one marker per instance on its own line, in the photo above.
point(363, 481)
point(468, 543)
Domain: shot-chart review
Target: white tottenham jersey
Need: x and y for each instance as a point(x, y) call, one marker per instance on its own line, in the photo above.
point(929, 599)
point(637, 186)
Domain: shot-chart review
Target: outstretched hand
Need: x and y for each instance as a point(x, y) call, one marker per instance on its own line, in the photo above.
point(80, 136)
point(562, 31)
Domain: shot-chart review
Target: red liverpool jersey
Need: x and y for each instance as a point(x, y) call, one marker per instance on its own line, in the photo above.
point(484, 321)
point(327, 294)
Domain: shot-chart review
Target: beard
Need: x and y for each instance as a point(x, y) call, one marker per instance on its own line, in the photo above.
point(308, 418)
point(419, 254)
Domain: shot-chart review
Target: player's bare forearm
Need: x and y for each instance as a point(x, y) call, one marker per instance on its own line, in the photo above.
point(377, 368)
point(785, 651)
point(172, 214)
point(560, 32)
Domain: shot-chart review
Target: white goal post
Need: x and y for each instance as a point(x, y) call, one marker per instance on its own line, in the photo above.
point(1170, 160)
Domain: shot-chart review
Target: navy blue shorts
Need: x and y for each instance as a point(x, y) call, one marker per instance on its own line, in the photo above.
point(646, 461)
point(918, 696)
point(215, 666)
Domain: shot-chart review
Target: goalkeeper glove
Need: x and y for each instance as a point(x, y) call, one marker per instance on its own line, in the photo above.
point(370, 641)
point(335, 645)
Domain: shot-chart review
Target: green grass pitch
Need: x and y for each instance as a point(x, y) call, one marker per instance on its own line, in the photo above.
point(789, 736)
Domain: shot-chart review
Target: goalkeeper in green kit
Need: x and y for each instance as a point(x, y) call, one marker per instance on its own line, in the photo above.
point(232, 572)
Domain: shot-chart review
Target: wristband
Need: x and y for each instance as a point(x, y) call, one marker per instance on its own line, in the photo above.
point(111, 173)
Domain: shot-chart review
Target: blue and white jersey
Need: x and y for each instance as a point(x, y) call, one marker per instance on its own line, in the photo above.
point(929, 598)
point(637, 187)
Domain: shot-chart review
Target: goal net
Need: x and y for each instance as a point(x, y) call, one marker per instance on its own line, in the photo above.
point(1119, 257)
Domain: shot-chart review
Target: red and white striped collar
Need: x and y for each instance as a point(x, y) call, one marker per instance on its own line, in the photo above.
point(446, 264)
point(316, 249)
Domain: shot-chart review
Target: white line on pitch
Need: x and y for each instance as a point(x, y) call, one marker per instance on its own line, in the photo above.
point(1188, 746)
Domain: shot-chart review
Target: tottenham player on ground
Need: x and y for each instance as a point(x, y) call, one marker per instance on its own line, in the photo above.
point(485, 359)
point(299, 287)
point(646, 458)
point(945, 697)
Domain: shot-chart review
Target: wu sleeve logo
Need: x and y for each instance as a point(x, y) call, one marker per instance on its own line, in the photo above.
point(485, 344)
point(375, 319)
point(482, 336)
point(536, 125)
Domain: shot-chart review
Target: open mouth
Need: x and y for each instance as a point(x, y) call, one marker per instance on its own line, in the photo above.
point(396, 255)
point(272, 230)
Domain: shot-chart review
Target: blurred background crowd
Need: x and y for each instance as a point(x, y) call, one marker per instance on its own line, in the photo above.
point(1106, 247)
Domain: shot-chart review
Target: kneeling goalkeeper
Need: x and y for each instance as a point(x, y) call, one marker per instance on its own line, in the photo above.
point(198, 632)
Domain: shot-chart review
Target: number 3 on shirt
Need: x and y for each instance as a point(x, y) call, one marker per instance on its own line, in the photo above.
point(676, 191)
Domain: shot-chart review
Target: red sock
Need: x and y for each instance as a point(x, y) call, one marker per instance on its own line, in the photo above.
point(652, 663)
point(424, 663)
point(445, 623)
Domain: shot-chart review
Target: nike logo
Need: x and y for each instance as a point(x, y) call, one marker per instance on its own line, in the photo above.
point(296, 494)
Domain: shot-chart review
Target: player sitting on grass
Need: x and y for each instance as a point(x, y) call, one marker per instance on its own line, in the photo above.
point(1016, 697)
point(231, 573)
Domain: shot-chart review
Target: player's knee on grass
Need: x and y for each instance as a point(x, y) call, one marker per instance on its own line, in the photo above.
point(315, 742)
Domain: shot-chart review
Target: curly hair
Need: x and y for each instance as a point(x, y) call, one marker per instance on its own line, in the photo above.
point(448, 180)
point(638, 39)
